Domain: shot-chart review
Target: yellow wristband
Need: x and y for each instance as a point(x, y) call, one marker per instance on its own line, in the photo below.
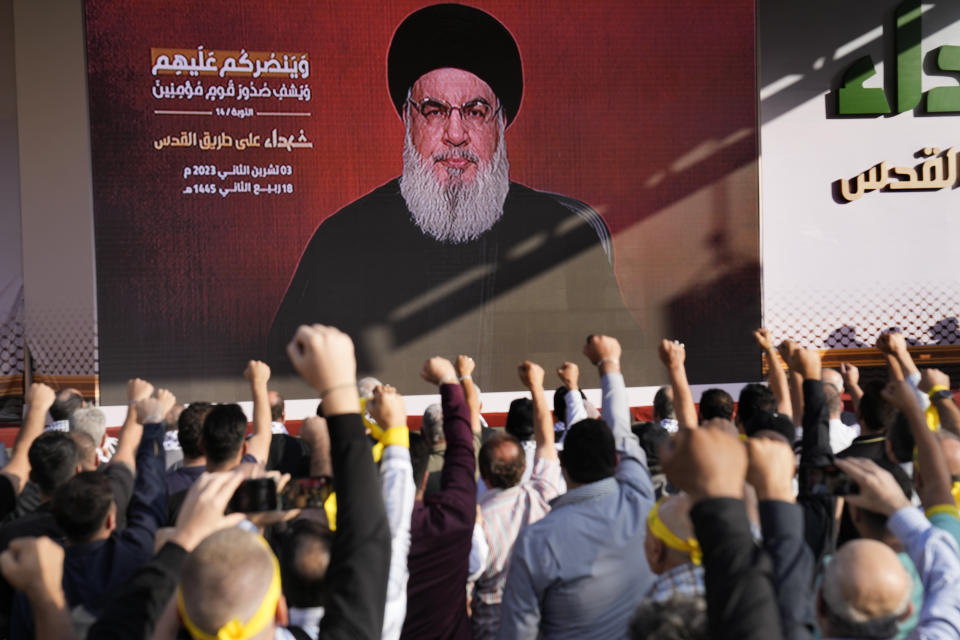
point(936, 389)
point(950, 509)
point(396, 436)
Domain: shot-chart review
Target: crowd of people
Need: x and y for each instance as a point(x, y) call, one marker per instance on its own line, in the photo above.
point(776, 516)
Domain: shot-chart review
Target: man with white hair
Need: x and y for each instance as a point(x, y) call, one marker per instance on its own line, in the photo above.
point(93, 422)
point(453, 247)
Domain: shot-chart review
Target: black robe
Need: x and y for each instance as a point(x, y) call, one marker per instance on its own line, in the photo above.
point(534, 285)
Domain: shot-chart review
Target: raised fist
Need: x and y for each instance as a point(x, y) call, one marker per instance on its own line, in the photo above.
point(601, 347)
point(764, 339)
point(323, 356)
point(672, 353)
point(531, 374)
point(437, 370)
point(138, 389)
point(257, 373)
point(569, 375)
point(465, 366)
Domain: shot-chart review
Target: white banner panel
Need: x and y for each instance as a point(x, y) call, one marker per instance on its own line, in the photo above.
point(843, 262)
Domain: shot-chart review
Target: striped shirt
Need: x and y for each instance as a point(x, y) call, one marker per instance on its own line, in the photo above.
point(505, 513)
point(685, 579)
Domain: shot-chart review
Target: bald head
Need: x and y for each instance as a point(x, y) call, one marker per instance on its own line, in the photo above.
point(865, 591)
point(674, 512)
point(832, 377)
point(502, 461)
point(225, 578)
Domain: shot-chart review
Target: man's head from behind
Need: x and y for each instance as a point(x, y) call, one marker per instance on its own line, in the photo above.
point(86, 451)
point(190, 428)
point(232, 578)
point(431, 427)
point(589, 452)
point(834, 401)
point(874, 414)
point(277, 410)
point(456, 80)
point(304, 558)
point(670, 541)
point(754, 397)
point(222, 436)
point(53, 460)
point(519, 421)
point(682, 617)
point(84, 507)
point(865, 592)
point(66, 402)
point(91, 421)
point(502, 461)
point(663, 408)
point(716, 403)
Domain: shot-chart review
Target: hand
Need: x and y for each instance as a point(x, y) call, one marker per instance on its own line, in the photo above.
point(899, 394)
point(930, 378)
point(34, 566)
point(324, 358)
point(465, 366)
point(600, 347)
point(896, 342)
point(706, 463)
point(257, 373)
point(851, 375)
point(806, 362)
point(40, 397)
point(531, 375)
point(672, 353)
point(879, 491)
point(152, 410)
point(787, 349)
point(569, 375)
point(771, 468)
point(438, 370)
point(764, 339)
point(387, 407)
point(203, 507)
point(137, 390)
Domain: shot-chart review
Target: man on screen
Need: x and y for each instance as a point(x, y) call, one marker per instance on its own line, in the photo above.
point(453, 254)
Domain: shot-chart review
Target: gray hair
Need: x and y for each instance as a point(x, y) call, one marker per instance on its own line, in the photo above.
point(365, 386)
point(90, 421)
point(432, 425)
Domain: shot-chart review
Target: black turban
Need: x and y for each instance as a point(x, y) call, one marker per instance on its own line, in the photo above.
point(460, 37)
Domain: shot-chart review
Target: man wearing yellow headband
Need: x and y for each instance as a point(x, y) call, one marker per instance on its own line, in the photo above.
point(672, 550)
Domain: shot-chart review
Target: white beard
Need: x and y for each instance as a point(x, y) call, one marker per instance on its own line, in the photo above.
point(455, 212)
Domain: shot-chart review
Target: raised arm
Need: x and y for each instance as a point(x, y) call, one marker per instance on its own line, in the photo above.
point(315, 434)
point(147, 410)
point(673, 355)
point(35, 566)
point(531, 375)
point(936, 384)
point(396, 481)
point(851, 382)
point(896, 371)
point(898, 347)
point(770, 471)
point(931, 463)
point(776, 376)
point(39, 399)
point(465, 366)
point(604, 352)
point(258, 444)
point(360, 556)
point(132, 430)
point(458, 484)
point(787, 349)
point(569, 374)
point(710, 465)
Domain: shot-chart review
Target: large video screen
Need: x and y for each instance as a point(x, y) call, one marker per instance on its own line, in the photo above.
point(500, 179)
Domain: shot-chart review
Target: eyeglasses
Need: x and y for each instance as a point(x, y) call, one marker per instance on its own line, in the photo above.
point(474, 113)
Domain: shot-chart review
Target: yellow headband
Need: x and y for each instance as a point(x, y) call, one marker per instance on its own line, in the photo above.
point(235, 630)
point(669, 538)
point(955, 490)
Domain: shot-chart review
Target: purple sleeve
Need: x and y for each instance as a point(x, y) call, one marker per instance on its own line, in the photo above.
point(458, 484)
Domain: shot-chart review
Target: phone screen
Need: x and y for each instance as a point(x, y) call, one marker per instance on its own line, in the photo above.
point(306, 493)
point(827, 480)
point(256, 494)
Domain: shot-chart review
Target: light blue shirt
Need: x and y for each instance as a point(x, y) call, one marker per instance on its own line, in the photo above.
point(936, 556)
point(581, 571)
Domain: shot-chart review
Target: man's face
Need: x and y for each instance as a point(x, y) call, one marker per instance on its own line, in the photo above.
point(456, 147)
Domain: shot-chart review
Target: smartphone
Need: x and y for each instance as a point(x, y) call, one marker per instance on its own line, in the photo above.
point(256, 494)
point(827, 480)
point(306, 493)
